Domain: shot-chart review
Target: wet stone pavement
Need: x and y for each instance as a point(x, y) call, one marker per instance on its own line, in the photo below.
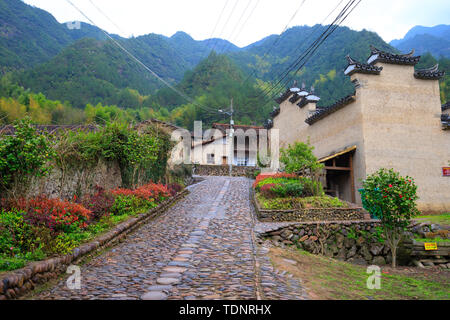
point(204, 247)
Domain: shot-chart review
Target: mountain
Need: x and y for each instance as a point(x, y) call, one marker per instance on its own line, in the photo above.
point(29, 35)
point(212, 83)
point(82, 66)
point(426, 39)
point(272, 55)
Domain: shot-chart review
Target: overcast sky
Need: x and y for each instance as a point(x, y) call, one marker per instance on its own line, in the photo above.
point(391, 19)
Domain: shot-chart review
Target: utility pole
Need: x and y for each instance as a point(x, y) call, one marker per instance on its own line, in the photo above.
point(230, 159)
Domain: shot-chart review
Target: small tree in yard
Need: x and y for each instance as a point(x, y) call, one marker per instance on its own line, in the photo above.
point(300, 159)
point(393, 198)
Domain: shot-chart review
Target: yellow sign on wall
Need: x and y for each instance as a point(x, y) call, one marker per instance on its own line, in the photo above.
point(431, 246)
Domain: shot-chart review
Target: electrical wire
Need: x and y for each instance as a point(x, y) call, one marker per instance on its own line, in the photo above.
point(143, 65)
point(306, 56)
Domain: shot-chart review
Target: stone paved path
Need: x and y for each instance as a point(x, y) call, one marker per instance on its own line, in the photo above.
point(202, 248)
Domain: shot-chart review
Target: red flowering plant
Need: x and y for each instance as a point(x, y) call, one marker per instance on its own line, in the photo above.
point(149, 192)
point(392, 198)
point(263, 176)
point(174, 188)
point(269, 190)
point(140, 199)
point(55, 214)
point(99, 203)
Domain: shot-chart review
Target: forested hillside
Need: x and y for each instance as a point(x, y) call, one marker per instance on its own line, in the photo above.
point(29, 35)
point(81, 69)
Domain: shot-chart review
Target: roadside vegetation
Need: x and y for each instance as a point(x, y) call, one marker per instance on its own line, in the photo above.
point(329, 279)
point(298, 187)
point(39, 227)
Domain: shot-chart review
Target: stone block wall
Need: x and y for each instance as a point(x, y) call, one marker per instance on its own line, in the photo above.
point(221, 171)
point(78, 181)
point(313, 214)
point(354, 241)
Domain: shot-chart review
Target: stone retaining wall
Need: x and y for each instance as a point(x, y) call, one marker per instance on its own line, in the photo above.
point(312, 214)
point(17, 283)
point(64, 184)
point(222, 171)
point(351, 241)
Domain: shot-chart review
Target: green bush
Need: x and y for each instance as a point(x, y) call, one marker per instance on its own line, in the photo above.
point(292, 187)
point(23, 155)
point(392, 198)
point(16, 236)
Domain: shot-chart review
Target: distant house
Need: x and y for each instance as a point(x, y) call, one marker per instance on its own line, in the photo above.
point(394, 119)
point(215, 147)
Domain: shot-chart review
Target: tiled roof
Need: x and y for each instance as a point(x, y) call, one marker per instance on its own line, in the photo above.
point(358, 67)
point(308, 99)
point(445, 119)
point(432, 73)
point(387, 57)
point(224, 126)
point(268, 124)
point(283, 96)
point(446, 106)
point(275, 112)
point(51, 129)
point(323, 112)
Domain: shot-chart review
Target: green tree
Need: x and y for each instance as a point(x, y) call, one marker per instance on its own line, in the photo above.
point(393, 199)
point(23, 155)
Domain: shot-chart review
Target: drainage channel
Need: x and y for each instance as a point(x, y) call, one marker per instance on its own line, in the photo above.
point(171, 274)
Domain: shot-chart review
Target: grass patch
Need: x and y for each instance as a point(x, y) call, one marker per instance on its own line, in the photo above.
point(329, 279)
point(432, 240)
point(299, 203)
point(443, 219)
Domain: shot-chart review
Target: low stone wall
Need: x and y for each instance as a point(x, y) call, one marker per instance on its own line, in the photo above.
point(352, 241)
point(221, 171)
point(312, 214)
point(17, 283)
point(78, 181)
point(429, 258)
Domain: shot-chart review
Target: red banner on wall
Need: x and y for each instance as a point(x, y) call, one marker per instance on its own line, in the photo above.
point(446, 171)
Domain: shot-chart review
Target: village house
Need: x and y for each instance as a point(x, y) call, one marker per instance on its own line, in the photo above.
point(394, 119)
point(215, 147)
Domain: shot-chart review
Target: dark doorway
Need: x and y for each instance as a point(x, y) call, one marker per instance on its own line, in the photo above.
point(340, 180)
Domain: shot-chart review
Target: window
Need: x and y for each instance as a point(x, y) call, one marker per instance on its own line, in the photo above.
point(210, 158)
point(242, 162)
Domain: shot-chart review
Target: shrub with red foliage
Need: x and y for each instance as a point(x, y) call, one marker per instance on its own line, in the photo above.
point(264, 176)
point(149, 192)
point(100, 203)
point(55, 214)
point(174, 188)
point(267, 191)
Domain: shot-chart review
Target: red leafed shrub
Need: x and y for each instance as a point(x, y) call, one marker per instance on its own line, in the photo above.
point(174, 188)
point(264, 176)
point(55, 214)
point(267, 191)
point(151, 191)
point(100, 203)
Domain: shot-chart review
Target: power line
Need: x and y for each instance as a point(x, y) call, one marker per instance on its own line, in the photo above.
point(312, 48)
point(278, 39)
point(286, 72)
point(217, 23)
point(228, 20)
point(322, 41)
point(227, 45)
point(142, 64)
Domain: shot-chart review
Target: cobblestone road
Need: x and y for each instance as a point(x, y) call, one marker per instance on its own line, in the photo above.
point(202, 248)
